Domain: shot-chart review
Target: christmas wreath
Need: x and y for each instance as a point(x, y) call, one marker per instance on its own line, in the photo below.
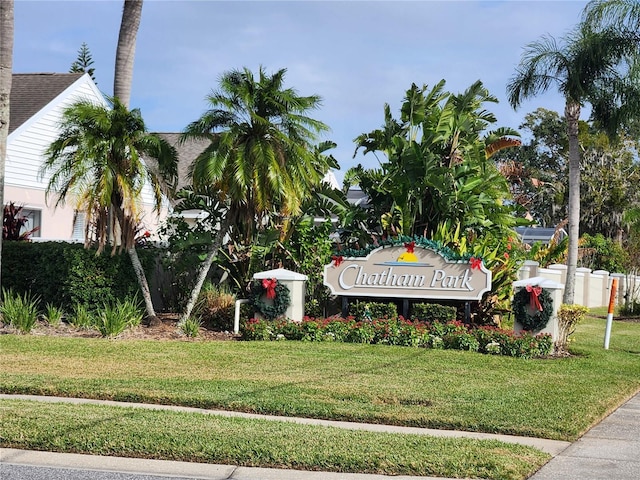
point(270, 289)
point(532, 307)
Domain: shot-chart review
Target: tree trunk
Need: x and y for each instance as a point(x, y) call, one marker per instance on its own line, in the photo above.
point(572, 115)
point(6, 65)
point(205, 267)
point(142, 281)
point(126, 51)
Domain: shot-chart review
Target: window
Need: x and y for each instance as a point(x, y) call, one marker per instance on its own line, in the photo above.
point(33, 221)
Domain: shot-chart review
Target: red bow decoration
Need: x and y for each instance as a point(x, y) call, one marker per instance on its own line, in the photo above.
point(535, 293)
point(410, 246)
point(337, 260)
point(270, 286)
point(476, 263)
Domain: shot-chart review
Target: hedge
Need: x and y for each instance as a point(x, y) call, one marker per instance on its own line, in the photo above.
point(64, 274)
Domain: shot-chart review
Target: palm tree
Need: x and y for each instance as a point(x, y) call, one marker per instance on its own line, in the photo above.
point(97, 161)
point(585, 67)
point(6, 64)
point(261, 157)
point(126, 50)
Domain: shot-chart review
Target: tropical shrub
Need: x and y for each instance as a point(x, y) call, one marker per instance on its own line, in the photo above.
point(568, 318)
point(19, 311)
point(401, 332)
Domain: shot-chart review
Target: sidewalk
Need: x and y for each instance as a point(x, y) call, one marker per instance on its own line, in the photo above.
point(609, 450)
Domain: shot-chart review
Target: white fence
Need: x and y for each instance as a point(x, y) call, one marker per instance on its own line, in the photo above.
point(592, 287)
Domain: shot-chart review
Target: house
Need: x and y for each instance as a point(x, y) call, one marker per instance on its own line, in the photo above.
point(37, 102)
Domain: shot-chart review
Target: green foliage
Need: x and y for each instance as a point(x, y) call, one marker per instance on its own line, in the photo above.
point(600, 253)
point(310, 248)
point(362, 310)
point(19, 311)
point(432, 312)
point(81, 317)
point(190, 327)
point(65, 274)
point(53, 314)
point(216, 307)
point(437, 335)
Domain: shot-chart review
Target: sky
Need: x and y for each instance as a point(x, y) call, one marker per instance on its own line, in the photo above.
point(356, 55)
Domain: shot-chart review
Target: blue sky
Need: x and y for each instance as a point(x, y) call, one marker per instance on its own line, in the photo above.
point(357, 55)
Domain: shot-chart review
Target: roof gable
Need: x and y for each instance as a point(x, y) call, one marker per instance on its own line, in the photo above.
point(31, 92)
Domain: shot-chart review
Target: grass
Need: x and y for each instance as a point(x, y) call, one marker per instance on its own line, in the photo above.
point(203, 438)
point(550, 398)
point(553, 398)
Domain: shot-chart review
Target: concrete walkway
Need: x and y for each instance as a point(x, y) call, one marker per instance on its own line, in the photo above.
point(609, 450)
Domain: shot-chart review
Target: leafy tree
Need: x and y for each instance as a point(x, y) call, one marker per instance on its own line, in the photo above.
point(586, 67)
point(6, 65)
point(435, 168)
point(97, 160)
point(83, 63)
point(536, 172)
point(261, 159)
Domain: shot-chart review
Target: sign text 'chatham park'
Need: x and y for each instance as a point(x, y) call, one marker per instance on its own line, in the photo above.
point(407, 272)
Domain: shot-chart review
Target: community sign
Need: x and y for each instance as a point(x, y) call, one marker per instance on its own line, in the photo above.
point(407, 272)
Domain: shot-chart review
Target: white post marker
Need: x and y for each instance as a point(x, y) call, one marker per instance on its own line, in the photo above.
point(612, 301)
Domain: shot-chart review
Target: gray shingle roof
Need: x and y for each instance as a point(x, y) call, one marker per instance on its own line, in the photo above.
point(187, 153)
point(31, 92)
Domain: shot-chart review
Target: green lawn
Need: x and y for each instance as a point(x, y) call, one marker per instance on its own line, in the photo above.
point(204, 438)
point(552, 398)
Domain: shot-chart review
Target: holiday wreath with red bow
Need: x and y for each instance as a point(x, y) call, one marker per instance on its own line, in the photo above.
point(269, 289)
point(532, 307)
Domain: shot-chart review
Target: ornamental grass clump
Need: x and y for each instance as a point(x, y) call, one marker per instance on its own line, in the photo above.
point(53, 314)
point(215, 307)
point(19, 311)
point(191, 327)
point(568, 318)
point(115, 318)
point(81, 318)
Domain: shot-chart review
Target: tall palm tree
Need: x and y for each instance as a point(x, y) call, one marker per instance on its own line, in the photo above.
point(6, 65)
point(261, 157)
point(585, 68)
point(126, 50)
point(97, 161)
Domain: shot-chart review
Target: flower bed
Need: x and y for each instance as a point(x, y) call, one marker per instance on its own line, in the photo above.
point(450, 335)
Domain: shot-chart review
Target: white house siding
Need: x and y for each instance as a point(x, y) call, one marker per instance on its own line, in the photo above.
point(24, 183)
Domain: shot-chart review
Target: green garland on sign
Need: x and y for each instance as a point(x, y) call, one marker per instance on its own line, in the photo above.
point(399, 241)
point(531, 319)
point(258, 293)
